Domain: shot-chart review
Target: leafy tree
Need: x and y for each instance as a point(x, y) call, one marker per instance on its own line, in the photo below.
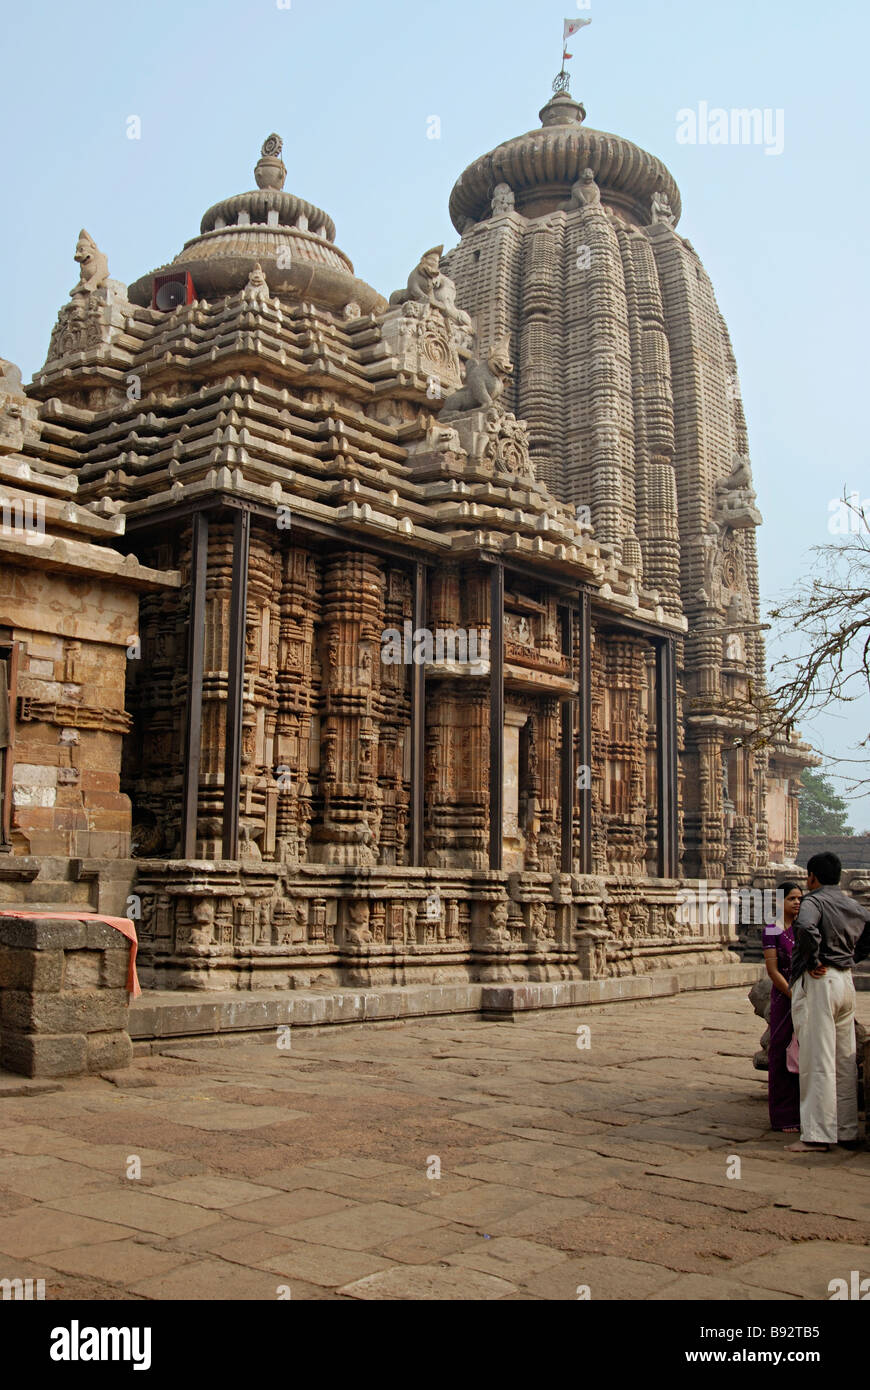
point(822, 811)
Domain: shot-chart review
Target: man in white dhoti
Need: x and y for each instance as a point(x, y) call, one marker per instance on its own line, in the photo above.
point(832, 934)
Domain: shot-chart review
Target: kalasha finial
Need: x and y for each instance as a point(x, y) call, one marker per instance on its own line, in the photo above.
point(271, 171)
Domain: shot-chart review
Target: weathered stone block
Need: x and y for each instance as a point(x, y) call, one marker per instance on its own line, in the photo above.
point(32, 1054)
point(43, 934)
point(40, 971)
point(82, 969)
point(102, 937)
point(75, 1012)
point(108, 1050)
point(114, 966)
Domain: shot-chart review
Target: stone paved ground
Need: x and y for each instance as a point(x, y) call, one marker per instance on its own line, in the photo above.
point(307, 1169)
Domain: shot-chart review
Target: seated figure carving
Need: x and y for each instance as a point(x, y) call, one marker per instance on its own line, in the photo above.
point(585, 192)
point(428, 285)
point(735, 497)
point(94, 270)
point(484, 379)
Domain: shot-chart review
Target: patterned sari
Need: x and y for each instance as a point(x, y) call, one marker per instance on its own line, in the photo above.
point(783, 1086)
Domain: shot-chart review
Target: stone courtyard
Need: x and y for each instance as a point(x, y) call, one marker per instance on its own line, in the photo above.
point(309, 1171)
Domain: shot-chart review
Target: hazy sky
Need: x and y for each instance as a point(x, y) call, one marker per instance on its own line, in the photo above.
point(352, 87)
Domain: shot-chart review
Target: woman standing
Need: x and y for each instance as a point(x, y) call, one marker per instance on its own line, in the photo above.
point(783, 1086)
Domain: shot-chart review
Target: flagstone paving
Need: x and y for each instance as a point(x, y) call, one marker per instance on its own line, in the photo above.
point(445, 1159)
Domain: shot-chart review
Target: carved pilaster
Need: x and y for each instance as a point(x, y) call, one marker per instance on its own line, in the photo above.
point(350, 799)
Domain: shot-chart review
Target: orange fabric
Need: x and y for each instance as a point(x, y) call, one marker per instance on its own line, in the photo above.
point(121, 924)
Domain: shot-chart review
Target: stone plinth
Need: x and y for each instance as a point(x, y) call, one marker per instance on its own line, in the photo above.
point(63, 997)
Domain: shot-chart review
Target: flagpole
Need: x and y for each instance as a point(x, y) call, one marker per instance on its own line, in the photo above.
point(562, 80)
point(570, 27)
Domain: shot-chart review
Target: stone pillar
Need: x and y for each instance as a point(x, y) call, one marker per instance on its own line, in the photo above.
point(297, 701)
point(259, 791)
point(418, 726)
point(666, 759)
point(625, 745)
point(193, 707)
point(353, 621)
point(235, 683)
point(546, 725)
point(496, 716)
point(513, 841)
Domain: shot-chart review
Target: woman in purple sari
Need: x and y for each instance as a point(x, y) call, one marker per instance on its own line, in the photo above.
point(783, 1086)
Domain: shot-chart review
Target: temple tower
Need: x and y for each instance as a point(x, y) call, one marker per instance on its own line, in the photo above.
point(627, 379)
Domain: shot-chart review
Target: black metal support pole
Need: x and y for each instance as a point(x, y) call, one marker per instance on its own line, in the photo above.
point(585, 731)
point(666, 756)
point(193, 710)
point(496, 715)
point(566, 770)
point(236, 683)
point(418, 725)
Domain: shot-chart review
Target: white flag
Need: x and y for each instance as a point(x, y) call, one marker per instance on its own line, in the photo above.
point(571, 27)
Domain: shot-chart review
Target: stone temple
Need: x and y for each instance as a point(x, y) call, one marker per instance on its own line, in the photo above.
point(355, 641)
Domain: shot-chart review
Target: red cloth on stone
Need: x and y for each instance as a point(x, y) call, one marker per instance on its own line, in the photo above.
point(121, 924)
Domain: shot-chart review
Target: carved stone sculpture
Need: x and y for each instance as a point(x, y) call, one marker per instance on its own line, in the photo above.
point(357, 931)
point(735, 498)
point(484, 380)
point(497, 933)
point(503, 199)
point(202, 929)
point(585, 192)
point(94, 265)
point(421, 281)
point(427, 285)
point(17, 413)
point(543, 937)
point(257, 287)
point(661, 209)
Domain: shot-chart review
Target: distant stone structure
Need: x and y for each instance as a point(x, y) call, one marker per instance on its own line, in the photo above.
point(533, 443)
point(853, 850)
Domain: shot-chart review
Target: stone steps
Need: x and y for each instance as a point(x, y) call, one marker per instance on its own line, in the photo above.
point(160, 1018)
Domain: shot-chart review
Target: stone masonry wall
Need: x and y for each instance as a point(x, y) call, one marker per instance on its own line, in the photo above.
point(63, 997)
point(853, 850)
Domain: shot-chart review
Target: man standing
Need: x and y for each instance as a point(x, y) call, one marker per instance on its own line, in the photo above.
point(832, 934)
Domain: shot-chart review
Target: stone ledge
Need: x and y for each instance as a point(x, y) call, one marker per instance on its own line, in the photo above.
point(507, 1000)
point(214, 1016)
point(170, 1014)
point(14, 1086)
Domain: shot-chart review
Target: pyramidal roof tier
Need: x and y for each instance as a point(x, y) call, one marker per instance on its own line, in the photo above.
point(291, 239)
point(542, 166)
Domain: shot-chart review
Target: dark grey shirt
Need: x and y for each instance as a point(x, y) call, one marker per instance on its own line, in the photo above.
point(830, 929)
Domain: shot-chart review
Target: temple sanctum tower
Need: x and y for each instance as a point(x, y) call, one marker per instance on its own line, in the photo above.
point(363, 641)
